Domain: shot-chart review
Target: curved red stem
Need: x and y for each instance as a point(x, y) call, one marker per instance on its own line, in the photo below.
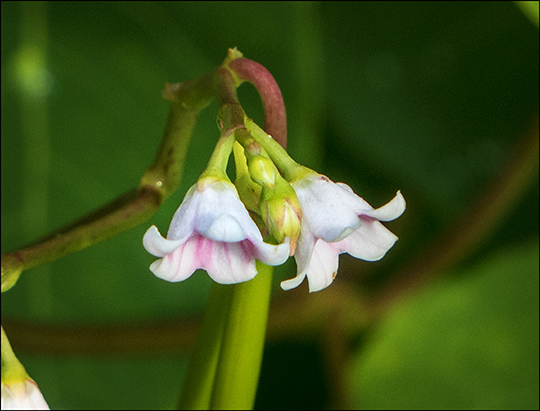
point(275, 118)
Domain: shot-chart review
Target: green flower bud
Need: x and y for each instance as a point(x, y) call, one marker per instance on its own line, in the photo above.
point(248, 190)
point(263, 171)
point(281, 212)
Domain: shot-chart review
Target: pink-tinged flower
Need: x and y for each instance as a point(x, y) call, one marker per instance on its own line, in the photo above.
point(336, 221)
point(23, 395)
point(212, 230)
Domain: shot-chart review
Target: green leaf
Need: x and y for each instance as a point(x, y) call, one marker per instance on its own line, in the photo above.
point(467, 342)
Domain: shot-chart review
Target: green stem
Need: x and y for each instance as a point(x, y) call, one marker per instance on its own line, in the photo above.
point(217, 165)
point(166, 172)
point(199, 380)
point(224, 370)
point(242, 344)
point(86, 232)
point(291, 169)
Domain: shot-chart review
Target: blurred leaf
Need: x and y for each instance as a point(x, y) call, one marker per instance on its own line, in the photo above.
point(469, 342)
point(530, 9)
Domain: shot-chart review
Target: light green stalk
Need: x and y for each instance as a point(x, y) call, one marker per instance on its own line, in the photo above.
point(199, 382)
point(224, 369)
point(217, 165)
point(290, 169)
point(237, 373)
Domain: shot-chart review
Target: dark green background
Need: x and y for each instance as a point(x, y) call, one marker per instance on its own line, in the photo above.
point(426, 97)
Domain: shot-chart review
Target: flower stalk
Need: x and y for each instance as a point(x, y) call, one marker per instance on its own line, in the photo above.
point(242, 344)
point(199, 381)
point(275, 118)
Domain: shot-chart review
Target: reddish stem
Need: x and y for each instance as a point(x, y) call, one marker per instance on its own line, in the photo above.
point(275, 118)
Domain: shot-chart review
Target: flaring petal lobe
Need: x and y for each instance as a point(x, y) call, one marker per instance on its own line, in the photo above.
point(158, 246)
point(370, 242)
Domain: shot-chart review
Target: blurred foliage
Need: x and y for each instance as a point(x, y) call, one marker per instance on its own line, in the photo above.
point(428, 97)
point(530, 8)
point(467, 343)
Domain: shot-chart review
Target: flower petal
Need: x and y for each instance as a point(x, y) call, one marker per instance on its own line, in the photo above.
point(226, 263)
point(323, 265)
point(304, 249)
point(179, 264)
point(184, 219)
point(318, 260)
point(327, 207)
point(230, 263)
point(225, 228)
point(370, 242)
point(389, 211)
point(23, 396)
point(156, 245)
point(221, 215)
point(322, 268)
point(293, 282)
point(271, 254)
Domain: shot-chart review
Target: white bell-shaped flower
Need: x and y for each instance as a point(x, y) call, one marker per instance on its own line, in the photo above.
point(334, 221)
point(212, 230)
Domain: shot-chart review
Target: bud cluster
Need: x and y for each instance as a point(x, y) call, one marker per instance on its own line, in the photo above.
point(278, 205)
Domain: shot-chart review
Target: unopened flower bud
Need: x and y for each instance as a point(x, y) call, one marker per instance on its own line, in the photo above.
point(263, 171)
point(280, 210)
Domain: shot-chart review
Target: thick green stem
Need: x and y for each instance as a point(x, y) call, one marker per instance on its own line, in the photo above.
point(199, 381)
point(242, 344)
point(224, 369)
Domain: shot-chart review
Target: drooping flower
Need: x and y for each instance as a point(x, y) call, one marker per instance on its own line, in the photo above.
point(334, 221)
point(23, 395)
point(211, 230)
